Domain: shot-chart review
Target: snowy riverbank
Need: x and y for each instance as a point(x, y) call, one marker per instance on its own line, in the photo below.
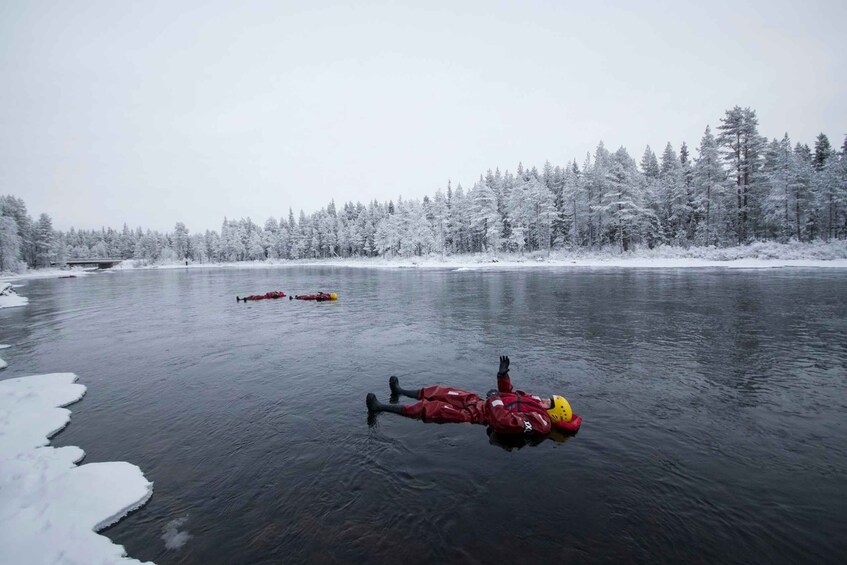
point(51, 508)
point(755, 256)
point(9, 297)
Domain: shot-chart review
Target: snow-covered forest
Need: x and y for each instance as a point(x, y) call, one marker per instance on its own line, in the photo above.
point(735, 187)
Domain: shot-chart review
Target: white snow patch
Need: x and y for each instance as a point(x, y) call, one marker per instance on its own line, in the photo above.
point(9, 298)
point(51, 508)
point(760, 255)
point(3, 364)
point(43, 274)
point(173, 538)
point(12, 301)
point(4, 346)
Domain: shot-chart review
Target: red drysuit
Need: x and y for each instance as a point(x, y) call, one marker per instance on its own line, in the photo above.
point(507, 411)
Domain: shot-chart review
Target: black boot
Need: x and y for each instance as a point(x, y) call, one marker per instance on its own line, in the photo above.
point(394, 385)
point(375, 405)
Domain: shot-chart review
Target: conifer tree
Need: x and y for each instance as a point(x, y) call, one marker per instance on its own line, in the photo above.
point(622, 203)
point(9, 244)
point(43, 241)
point(823, 152)
point(709, 182)
point(649, 164)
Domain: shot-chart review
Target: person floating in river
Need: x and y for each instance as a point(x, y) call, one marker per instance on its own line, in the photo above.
point(320, 296)
point(268, 295)
point(505, 410)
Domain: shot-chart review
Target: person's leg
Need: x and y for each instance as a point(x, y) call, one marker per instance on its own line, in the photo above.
point(437, 411)
point(455, 396)
point(394, 385)
point(426, 410)
point(375, 405)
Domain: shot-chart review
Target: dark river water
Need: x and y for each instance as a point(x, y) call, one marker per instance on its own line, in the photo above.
point(714, 406)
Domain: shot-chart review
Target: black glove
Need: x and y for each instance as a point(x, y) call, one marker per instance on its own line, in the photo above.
point(504, 366)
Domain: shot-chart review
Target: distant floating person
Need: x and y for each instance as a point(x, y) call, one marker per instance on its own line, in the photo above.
point(267, 296)
point(320, 297)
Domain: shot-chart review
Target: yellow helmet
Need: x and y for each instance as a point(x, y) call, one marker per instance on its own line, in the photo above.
point(560, 409)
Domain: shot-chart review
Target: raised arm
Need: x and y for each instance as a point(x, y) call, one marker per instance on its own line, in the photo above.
point(504, 383)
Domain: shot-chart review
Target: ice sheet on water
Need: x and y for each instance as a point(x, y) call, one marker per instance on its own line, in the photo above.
point(51, 508)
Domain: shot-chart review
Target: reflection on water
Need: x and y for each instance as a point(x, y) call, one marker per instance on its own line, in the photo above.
point(713, 401)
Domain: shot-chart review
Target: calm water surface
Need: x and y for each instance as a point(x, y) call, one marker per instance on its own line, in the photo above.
point(715, 407)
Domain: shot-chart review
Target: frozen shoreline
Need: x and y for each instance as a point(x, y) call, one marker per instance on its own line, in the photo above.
point(832, 255)
point(51, 508)
point(756, 256)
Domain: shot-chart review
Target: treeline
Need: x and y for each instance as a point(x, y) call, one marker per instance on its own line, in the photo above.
point(739, 188)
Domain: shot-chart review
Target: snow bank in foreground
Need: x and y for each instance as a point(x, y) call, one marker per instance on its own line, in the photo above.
point(10, 298)
point(50, 508)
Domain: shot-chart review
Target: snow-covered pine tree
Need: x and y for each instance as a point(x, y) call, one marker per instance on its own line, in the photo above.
point(709, 186)
point(777, 172)
point(461, 224)
point(824, 184)
point(544, 213)
point(596, 186)
point(439, 222)
point(16, 208)
point(486, 220)
point(573, 205)
point(823, 152)
point(676, 205)
point(622, 203)
point(806, 216)
point(10, 245)
point(519, 211)
point(743, 151)
point(180, 241)
point(43, 241)
point(649, 164)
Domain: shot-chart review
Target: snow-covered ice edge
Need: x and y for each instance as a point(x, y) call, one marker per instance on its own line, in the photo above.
point(50, 507)
point(9, 298)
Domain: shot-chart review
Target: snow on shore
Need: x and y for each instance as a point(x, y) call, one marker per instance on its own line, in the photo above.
point(766, 255)
point(51, 508)
point(9, 298)
point(755, 256)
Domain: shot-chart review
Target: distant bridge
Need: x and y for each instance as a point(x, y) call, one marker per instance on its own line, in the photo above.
point(98, 263)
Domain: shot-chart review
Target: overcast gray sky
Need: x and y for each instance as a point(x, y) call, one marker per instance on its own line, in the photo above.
point(151, 113)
